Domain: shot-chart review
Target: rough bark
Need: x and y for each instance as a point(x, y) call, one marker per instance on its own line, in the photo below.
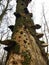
point(30, 51)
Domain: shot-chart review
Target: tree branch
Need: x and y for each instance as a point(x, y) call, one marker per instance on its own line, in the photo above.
point(4, 11)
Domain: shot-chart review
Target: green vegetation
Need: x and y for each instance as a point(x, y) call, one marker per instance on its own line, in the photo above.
point(16, 48)
point(27, 58)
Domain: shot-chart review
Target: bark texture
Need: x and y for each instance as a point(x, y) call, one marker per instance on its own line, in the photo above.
point(29, 50)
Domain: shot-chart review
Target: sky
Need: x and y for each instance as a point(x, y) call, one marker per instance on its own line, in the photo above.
point(35, 7)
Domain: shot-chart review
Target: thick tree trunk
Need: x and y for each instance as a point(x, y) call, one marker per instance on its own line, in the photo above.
point(29, 50)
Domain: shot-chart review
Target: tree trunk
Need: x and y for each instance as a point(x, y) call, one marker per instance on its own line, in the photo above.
point(29, 50)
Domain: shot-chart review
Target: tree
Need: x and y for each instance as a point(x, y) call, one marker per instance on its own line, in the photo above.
point(25, 48)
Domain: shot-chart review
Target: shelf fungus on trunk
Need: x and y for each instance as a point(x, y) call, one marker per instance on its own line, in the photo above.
point(26, 11)
point(11, 27)
point(44, 45)
point(17, 15)
point(30, 14)
point(8, 42)
point(11, 45)
point(37, 26)
point(39, 35)
point(42, 42)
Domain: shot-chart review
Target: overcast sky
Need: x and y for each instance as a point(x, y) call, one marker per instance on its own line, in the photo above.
point(36, 8)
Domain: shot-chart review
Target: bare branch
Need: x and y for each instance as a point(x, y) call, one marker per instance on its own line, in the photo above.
point(45, 19)
point(45, 25)
point(4, 11)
